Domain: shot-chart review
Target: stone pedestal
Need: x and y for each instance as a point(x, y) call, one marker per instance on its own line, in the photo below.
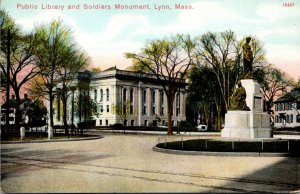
point(22, 131)
point(50, 132)
point(248, 124)
point(254, 99)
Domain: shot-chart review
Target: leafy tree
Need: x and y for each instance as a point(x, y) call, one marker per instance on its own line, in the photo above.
point(96, 70)
point(204, 93)
point(75, 61)
point(85, 107)
point(122, 110)
point(37, 113)
point(169, 60)
point(22, 68)
point(54, 42)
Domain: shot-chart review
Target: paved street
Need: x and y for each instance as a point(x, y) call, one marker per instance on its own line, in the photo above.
point(126, 163)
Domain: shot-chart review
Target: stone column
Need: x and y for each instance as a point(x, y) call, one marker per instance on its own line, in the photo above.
point(148, 102)
point(159, 104)
point(140, 105)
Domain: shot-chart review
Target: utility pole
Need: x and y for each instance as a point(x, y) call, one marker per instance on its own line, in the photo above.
point(7, 80)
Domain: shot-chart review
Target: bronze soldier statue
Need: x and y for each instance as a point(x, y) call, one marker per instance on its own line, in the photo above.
point(247, 59)
point(238, 99)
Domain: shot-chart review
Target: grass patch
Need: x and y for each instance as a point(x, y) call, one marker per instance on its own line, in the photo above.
point(270, 146)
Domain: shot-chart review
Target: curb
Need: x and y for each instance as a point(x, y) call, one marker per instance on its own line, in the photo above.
point(51, 140)
point(206, 153)
point(162, 132)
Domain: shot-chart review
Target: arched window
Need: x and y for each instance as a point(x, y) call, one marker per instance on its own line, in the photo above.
point(101, 95)
point(107, 94)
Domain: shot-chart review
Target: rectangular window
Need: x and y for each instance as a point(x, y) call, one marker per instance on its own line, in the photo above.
point(101, 108)
point(144, 96)
point(100, 122)
point(124, 109)
point(107, 108)
point(298, 105)
point(95, 95)
point(298, 118)
point(107, 94)
point(131, 109)
point(153, 102)
point(101, 95)
point(131, 95)
point(154, 123)
point(125, 122)
point(106, 122)
point(124, 94)
point(144, 102)
point(132, 122)
point(145, 123)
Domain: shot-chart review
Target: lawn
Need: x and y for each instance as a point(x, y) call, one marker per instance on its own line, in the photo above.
point(273, 146)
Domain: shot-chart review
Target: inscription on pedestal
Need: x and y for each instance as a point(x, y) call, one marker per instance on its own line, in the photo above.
point(257, 102)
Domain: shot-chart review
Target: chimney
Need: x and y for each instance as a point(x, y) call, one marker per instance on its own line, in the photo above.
point(25, 96)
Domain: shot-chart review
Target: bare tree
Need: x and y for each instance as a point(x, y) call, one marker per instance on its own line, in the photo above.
point(168, 59)
point(22, 68)
point(223, 53)
point(274, 83)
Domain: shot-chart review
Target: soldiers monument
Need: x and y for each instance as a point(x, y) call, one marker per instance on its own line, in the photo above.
point(245, 118)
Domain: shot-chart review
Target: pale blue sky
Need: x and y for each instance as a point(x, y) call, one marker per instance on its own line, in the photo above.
point(106, 34)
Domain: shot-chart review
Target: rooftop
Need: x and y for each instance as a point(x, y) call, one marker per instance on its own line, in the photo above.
point(294, 95)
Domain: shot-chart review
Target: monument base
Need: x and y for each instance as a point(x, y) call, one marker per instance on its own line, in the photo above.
point(246, 124)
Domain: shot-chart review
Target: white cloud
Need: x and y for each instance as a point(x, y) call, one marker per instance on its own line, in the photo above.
point(45, 17)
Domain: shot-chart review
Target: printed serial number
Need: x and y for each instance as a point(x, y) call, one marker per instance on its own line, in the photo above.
point(288, 4)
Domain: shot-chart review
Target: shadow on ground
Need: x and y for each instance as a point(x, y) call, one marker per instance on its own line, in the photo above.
point(283, 176)
point(15, 161)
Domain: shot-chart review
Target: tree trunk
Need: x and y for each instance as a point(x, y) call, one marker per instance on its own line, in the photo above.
point(170, 114)
point(170, 129)
point(17, 118)
point(64, 101)
point(51, 98)
point(218, 117)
